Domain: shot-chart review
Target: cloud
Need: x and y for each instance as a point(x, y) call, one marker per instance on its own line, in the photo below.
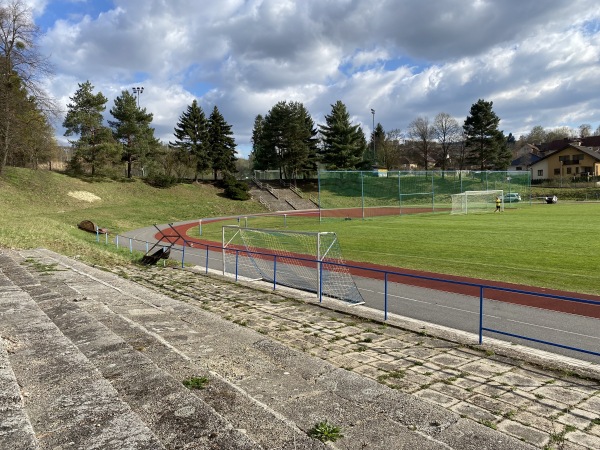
point(534, 60)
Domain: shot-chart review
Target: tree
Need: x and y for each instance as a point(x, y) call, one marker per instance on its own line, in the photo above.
point(343, 144)
point(537, 135)
point(95, 145)
point(585, 130)
point(263, 156)
point(192, 138)
point(289, 134)
point(485, 143)
point(132, 129)
point(422, 133)
point(446, 131)
point(389, 151)
point(21, 65)
point(221, 145)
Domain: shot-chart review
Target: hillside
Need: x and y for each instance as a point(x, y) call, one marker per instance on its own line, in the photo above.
point(42, 209)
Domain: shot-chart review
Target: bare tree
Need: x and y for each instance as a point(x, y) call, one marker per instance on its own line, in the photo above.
point(389, 150)
point(21, 68)
point(421, 132)
point(447, 132)
point(585, 130)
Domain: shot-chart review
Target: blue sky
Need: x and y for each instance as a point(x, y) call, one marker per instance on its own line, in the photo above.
point(537, 61)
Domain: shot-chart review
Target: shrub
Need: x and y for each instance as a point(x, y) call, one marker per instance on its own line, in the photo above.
point(160, 180)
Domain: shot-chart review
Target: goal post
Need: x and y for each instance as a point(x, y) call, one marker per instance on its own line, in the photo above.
point(310, 261)
point(473, 202)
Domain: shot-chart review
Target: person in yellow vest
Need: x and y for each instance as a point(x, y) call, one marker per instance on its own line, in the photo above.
point(498, 203)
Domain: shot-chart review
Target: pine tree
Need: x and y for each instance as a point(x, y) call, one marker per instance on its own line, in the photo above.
point(95, 145)
point(289, 139)
point(263, 156)
point(192, 137)
point(221, 145)
point(132, 129)
point(343, 143)
point(485, 143)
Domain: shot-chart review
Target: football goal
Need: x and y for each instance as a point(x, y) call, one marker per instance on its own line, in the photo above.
point(473, 202)
point(310, 261)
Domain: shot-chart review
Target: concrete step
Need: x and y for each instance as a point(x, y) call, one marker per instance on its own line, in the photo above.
point(127, 341)
point(68, 402)
point(16, 431)
point(172, 412)
point(295, 388)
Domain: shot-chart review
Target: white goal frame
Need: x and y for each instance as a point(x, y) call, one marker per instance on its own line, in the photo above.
point(310, 261)
point(475, 202)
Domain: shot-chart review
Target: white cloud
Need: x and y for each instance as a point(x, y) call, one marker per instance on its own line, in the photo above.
point(537, 61)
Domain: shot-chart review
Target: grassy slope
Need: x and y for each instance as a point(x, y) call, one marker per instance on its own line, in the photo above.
point(552, 246)
point(36, 210)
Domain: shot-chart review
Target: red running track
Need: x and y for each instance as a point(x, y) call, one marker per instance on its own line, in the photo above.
point(582, 309)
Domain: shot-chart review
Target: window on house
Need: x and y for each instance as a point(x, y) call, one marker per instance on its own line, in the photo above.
point(578, 157)
point(541, 173)
point(556, 171)
point(568, 170)
point(565, 158)
point(577, 169)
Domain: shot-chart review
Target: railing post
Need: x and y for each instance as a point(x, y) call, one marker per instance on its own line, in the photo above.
point(274, 272)
point(385, 297)
point(480, 315)
point(106, 238)
point(183, 255)
point(130, 245)
point(146, 246)
point(237, 257)
point(206, 258)
point(117, 240)
point(320, 282)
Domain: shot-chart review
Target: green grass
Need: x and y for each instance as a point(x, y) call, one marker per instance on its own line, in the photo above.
point(552, 246)
point(36, 210)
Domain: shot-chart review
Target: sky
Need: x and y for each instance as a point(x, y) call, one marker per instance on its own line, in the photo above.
point(537, 61)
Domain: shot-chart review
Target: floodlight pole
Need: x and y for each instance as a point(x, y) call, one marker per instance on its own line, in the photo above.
point(137, 91)
point(373, 114)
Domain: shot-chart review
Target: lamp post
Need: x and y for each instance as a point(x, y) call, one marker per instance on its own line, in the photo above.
point(137, 91)
point(373, 114)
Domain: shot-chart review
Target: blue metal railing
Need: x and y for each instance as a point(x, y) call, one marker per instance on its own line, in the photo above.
point(482, 288)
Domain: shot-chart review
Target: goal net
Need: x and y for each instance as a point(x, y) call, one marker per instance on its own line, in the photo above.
point(311, 261)
point(472, 202)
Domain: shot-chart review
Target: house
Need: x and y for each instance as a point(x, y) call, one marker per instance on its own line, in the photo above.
point(569, 162)
point(524, 162)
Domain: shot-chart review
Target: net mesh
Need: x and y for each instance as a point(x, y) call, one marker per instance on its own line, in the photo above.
point(348, 194)
point(302, 260)
point(473, 202)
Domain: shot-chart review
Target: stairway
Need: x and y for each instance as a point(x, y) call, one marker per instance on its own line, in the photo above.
point(89, 360)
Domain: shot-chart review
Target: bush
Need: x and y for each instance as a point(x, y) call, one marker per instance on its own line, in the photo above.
point(235, 189)
point(160, 180)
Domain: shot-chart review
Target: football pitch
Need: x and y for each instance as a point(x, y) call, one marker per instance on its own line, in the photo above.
point(553, 246)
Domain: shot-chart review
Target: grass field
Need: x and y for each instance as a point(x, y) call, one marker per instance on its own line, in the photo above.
point(38, 209)
point(553, 246)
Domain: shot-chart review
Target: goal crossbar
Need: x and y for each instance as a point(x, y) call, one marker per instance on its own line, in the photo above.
point(472, 202)
point(310, 261)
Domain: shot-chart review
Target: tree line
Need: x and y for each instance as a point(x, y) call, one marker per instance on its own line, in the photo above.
point(286, 139)
point(201, 143)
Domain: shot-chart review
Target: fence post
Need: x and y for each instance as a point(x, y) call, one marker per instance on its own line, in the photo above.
point(183, 255)
point(130, 246)
point(385, 297)
point(106, 238)
point(274, 272)
point(480, 315)
point(200, 227)
point(237, 258)
point(117, 240)
point(320, 282)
